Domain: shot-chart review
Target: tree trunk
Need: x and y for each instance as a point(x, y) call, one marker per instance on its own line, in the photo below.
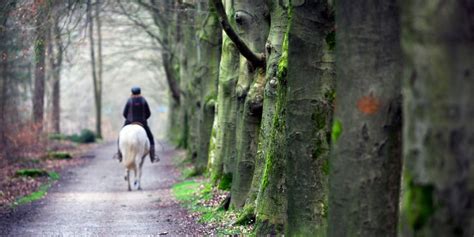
point(253, 24)
point(40, 45)
point(209, 43)
point(309, 109)
point(270, 195)
point(365, 166)
point(57, 64)
point(98, 84)
point(4, 13)
point(94, 68)
point(171, 77)
point(226, 98)
point(188, 83)
point(438, 44)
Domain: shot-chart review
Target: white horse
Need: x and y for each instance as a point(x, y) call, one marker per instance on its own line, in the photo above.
point(134, 145)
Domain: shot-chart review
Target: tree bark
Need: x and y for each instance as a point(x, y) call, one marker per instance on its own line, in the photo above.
point(94, 67)
point(4, 61)
point(253, 25)
point(57, 64)
point(98, 84)
point(268, 188)
point(41, 31)
point(438, 45)
point(309, 109)
point(189, 84)
point(171, 79)
point(209, 43)
point(366, 161)
point(228, 74)
point(257, 60)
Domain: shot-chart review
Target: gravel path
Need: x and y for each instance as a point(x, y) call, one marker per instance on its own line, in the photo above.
point(92, 201)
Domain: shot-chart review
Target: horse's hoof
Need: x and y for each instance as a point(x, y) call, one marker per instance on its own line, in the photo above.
point(139, 188)
point(129, 189)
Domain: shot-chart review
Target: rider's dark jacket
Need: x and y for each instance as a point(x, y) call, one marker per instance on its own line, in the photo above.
point(136, 110)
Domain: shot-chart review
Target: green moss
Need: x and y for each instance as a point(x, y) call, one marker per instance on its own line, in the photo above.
point(283, 62)
point(418, 205)
point(325, 167)
point(185, 190)
point(210, 100)
point(331, 40)
point(57, 136)
point(54, 175)
point(264, 227)
point(319, 117)
point(336, 130)
point(42, 191)
point(59, 155)
point(226, 182)
point(330, 96)
point(267, 169)
point(247, 216)
point(31, 173)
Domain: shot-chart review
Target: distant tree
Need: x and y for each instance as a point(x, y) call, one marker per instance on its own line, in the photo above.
point(96, 63)
point(42, 28)
point(5, 9)
point(55, 54)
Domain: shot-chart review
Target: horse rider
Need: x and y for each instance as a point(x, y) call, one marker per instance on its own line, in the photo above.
point(137, 111)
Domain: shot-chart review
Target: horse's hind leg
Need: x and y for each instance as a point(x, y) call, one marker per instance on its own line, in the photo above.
point(140, 173)
point(127, 177)
point(136, 183)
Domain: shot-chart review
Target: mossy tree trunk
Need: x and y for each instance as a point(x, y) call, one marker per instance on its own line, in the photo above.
point(438, 191)
point(226, 152)
point(309, 109)
point(366, 160)
point(270, 196)
point(252, 26)
point(209, 42)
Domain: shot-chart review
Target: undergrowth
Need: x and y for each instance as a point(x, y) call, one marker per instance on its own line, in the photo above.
point(203, 201)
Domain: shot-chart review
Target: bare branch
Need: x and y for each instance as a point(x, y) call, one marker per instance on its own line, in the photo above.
point(143, 26)
point(255, 59)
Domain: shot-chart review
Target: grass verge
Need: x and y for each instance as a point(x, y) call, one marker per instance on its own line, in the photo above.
point(42, 190)
point(203, 201)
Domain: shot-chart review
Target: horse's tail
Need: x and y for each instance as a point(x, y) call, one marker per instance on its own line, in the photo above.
point(129, 152)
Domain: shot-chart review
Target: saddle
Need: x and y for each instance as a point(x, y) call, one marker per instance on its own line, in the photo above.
point(138, 123)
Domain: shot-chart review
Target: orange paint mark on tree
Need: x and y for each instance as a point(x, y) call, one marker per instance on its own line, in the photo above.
point(368, 104)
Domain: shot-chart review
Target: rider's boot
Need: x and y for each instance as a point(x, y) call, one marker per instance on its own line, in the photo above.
point(153, 156)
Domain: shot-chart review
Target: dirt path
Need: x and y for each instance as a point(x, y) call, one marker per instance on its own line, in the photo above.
point(92, 201)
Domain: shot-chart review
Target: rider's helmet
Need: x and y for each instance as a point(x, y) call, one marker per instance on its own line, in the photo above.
point(136, 90)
